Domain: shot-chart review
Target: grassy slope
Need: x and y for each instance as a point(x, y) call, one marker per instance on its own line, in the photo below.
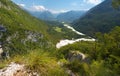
point(13, 16)
point(19, 25)
point(16, 20)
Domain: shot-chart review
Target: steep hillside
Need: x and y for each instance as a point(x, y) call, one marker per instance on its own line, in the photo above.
point(19, 30)
point(101, 18)
point(44, 15)
point(70, 16)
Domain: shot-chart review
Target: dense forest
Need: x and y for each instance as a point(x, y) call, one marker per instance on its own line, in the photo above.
point(101, 18)
point(31, 41)
point(103, 54)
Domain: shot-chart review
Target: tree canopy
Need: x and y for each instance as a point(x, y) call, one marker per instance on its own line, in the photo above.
point(116, 3)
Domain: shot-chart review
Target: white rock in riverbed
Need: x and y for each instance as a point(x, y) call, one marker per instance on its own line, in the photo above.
point(77, 32)
point(66, 42)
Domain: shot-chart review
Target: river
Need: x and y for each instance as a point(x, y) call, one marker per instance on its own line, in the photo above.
point(66, 41)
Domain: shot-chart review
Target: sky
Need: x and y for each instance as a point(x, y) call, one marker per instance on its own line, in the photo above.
point(57, 6)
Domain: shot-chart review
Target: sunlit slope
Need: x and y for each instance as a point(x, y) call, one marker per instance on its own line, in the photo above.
point(21, 30)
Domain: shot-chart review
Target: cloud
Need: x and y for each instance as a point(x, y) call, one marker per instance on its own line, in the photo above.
point(74, 4)
point(21, 5)
point(57, 12)
point(38, 8)
point(95, 2)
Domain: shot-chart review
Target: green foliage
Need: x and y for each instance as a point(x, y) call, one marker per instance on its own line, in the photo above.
point(3, 63)
point(58, 31)
point(98, 68)
point(101, 18)
point(41, 62)
point(104, 55)
point(81, 69)
point(20, 26)
point(116, 3)
point(84, 47)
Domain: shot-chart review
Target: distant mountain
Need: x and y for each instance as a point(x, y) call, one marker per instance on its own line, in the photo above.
point(70, 16)
point(101, 18)
point(44, 15)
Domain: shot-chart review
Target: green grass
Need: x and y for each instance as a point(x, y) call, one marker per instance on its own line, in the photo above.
point(3, 64)
point(58, 29)
point(41, 62)
point(20, 23)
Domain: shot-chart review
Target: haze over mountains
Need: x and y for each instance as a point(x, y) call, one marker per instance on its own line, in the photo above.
point(44, 15)
point(101, 18)
point(69, 16)
point(27, 44)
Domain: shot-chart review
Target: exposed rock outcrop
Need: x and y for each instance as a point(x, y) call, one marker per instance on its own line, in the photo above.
point(15, 69)
point(1, 51)
point(76, 55)
point(3, 54)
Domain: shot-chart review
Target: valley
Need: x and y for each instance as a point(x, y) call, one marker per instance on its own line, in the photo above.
point(68, 16)
point(101, 18)
point(67, 42)
point(67, 38)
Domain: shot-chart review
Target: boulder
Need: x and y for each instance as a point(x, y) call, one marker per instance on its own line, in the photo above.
point(76, 55)
point(15, 69)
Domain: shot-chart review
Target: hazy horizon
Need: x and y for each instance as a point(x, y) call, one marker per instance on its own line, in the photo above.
point(57, 6)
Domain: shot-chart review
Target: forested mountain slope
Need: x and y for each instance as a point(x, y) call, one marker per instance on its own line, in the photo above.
point(70, 16)
point(101, 18)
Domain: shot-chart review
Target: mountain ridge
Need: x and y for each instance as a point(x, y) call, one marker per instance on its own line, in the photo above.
point(44, 15)
point(68, 16)
point(101, 18)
